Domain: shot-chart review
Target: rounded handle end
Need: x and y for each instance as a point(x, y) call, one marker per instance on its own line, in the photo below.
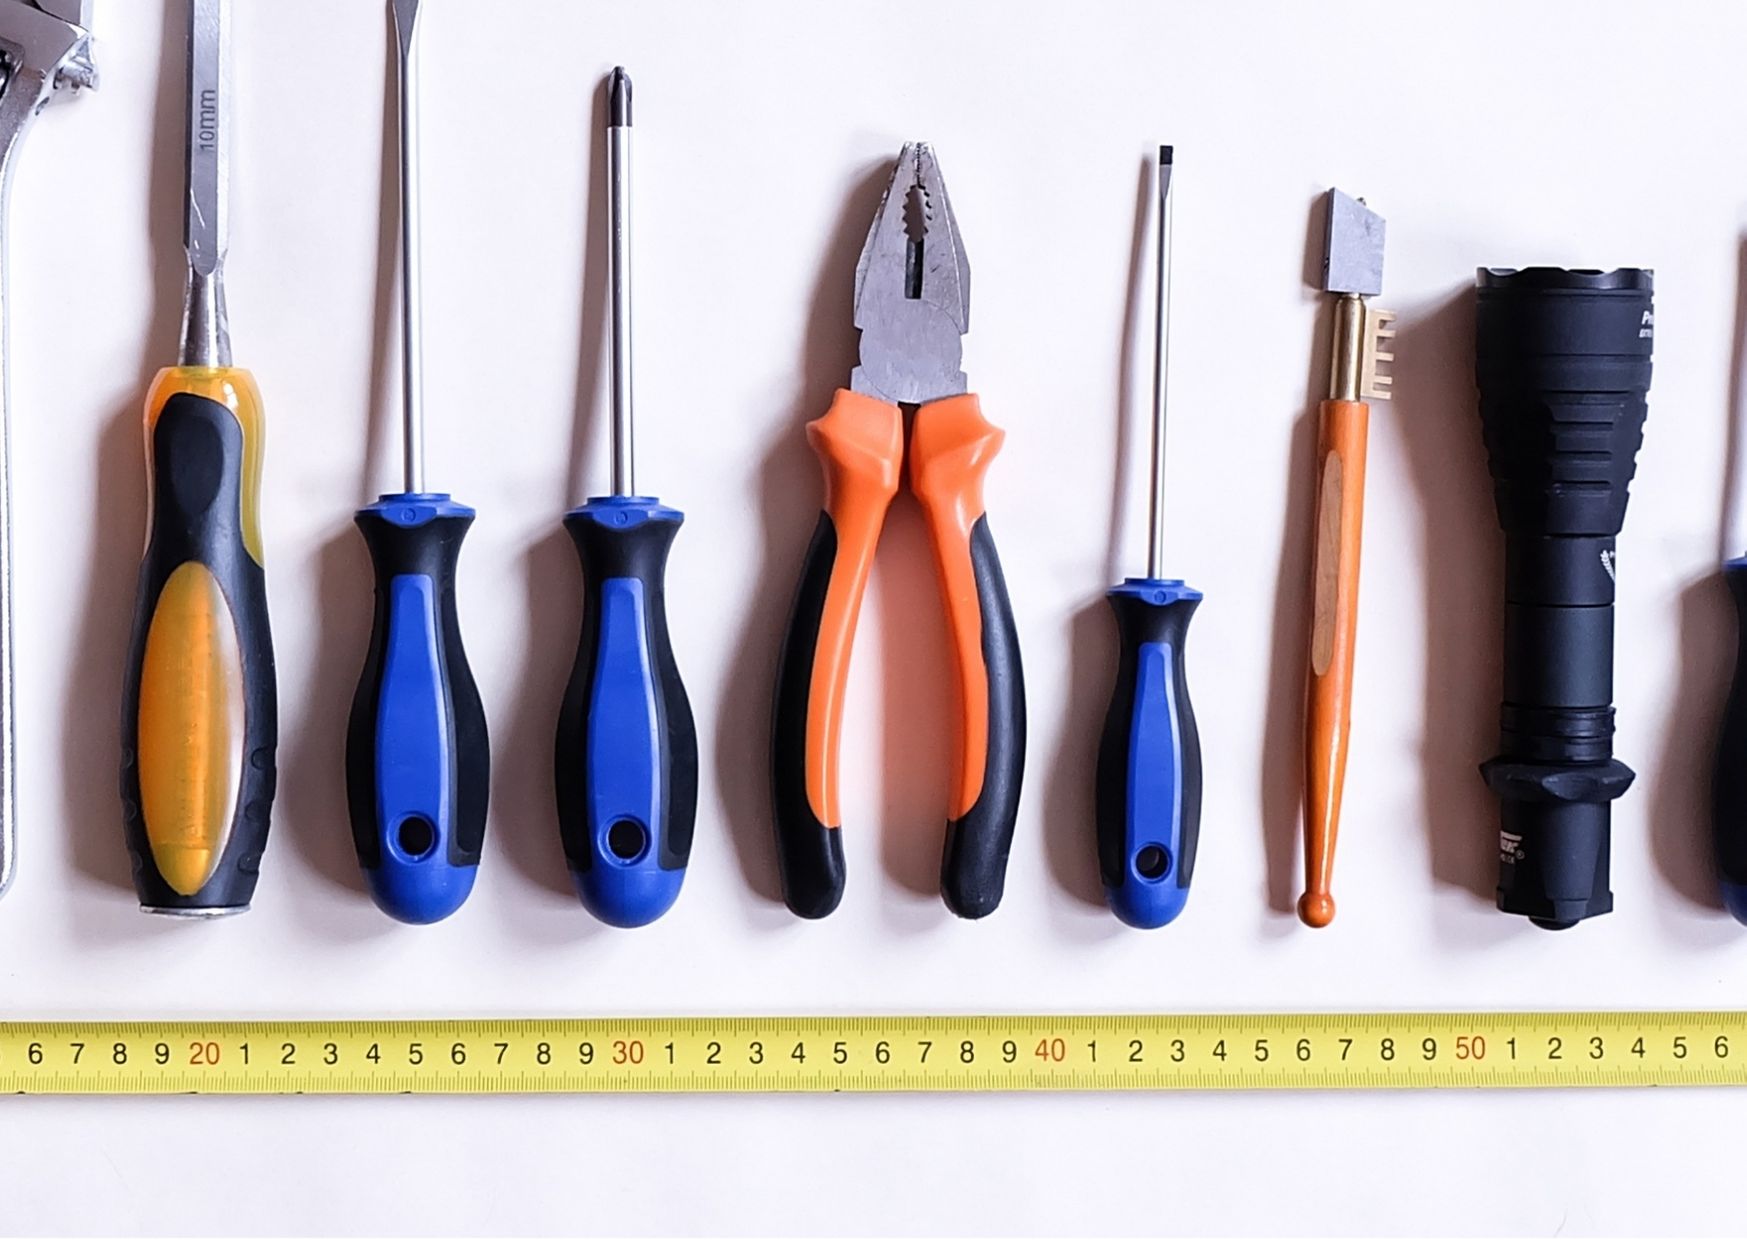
point(627, 897)
point(420, 893)
point(1316, 909)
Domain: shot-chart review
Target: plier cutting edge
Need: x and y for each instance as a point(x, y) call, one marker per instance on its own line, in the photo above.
point(912, 306)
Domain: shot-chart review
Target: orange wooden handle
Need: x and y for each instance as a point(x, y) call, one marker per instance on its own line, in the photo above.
point(860, 442)
point(1340, 513)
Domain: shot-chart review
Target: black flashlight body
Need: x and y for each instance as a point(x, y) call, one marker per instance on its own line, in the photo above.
point(1563, 367)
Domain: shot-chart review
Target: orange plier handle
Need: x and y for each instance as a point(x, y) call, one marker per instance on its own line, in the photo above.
point(860, 442)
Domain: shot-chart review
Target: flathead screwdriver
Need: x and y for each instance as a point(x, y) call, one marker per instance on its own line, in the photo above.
point(418, 760)
point(627, 751)
point(199, 711)
point(1149, 760)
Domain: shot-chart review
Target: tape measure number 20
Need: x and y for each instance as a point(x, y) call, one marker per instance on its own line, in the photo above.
point(877, 1054)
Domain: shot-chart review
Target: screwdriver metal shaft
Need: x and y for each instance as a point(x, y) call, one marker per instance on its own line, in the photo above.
point(412, 332)
point(619, 277)
point(1155, 562)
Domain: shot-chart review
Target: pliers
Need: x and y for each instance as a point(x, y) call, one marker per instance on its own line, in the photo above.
point(912, 306)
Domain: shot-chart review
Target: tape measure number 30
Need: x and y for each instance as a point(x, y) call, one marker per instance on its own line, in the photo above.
point(876, 1054)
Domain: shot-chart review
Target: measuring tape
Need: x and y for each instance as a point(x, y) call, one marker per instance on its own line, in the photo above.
point(876, 1053)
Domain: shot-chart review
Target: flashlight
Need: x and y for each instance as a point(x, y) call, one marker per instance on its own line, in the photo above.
point(1563, 366)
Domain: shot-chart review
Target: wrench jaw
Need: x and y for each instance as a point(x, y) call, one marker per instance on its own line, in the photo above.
point(45, 52)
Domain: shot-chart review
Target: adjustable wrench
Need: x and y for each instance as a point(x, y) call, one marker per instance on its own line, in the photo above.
point(45, 52)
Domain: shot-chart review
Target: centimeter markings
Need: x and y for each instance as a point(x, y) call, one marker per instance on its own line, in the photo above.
point(870, 1054)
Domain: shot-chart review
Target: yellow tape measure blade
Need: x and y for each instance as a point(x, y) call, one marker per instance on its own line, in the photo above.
point(878, 1053)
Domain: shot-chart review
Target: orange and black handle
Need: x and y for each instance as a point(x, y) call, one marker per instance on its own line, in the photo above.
point(1340, 511)
point(860, 442)
point(951, 447)
point(199, 708)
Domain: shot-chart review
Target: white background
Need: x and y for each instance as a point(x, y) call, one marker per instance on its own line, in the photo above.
point(1488, 133)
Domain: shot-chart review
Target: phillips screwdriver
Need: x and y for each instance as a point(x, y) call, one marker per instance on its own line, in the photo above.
point(1149, 760)
point(418, 760)
point(627, 751)
point(199, 707)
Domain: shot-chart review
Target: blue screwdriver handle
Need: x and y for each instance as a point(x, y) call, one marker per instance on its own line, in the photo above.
point(1149, 760)
point(627, 753)
point(418, 759)
point(1729, 784)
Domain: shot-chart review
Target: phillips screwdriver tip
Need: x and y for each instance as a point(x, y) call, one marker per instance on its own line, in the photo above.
point(619, 98)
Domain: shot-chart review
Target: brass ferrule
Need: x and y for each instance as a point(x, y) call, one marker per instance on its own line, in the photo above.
point(1347, 365)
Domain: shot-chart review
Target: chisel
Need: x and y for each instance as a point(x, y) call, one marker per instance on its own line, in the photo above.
point(199, 718)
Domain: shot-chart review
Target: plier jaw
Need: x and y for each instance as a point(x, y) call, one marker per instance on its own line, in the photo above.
point(912, 289)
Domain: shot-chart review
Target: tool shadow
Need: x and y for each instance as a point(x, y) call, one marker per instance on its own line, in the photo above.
point(1070, 796)
point(917, 730)
point(789, 501)
point(524, 794)
point(90, 739)
point(1070, 830)
point(313, 811)
point(1680, 788)
point(1282, 788)
point(1434, 413)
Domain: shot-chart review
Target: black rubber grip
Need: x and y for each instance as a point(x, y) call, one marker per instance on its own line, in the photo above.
point(196, 518)
point(426, 546)
point(809, 852)
point(1149, 758)
point(973, 871)
point(627, 749)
